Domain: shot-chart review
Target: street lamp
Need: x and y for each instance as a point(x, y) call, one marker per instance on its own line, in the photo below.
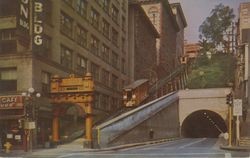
point(30, 116)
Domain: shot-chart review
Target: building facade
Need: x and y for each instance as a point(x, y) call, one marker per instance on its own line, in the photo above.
point(42, 38)
point(142, 45)
point(170, 22)
point(161, 15)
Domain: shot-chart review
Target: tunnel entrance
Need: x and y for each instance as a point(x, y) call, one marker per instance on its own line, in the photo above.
point(203, 124)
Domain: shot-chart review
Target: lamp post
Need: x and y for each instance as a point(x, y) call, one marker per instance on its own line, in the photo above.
point(30, 116)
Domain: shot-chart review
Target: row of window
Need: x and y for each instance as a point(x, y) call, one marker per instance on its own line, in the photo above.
point(66, 27)
point(99, 74)
point(112, 58)
point(81, 7)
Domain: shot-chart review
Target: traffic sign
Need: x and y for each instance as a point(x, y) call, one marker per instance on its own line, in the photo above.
point(237, 107)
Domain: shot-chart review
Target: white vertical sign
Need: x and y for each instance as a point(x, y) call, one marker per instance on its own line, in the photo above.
point(237, 107)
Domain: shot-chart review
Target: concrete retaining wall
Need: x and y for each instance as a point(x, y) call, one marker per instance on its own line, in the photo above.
point(161, 115)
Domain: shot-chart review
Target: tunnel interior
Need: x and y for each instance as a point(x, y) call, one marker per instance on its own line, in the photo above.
point(203, 124)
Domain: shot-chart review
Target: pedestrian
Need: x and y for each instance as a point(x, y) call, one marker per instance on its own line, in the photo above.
point(151, 134)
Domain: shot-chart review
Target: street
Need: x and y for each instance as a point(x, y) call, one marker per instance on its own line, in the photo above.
point(188, 147)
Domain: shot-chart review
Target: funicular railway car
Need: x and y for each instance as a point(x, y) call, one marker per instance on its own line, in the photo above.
point(135, 93)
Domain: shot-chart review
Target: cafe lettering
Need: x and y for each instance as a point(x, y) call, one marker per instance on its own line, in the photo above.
point(11, 102)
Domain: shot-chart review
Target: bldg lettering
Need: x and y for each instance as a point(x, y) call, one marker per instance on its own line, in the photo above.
point(38, 23)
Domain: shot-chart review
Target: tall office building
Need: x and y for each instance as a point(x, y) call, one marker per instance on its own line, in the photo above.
point(41, 38)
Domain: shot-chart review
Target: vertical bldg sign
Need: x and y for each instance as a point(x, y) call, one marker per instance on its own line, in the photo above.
point(38, 11)
point(23, 22)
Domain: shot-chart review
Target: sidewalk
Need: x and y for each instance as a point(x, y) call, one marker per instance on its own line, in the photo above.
point(235, 148)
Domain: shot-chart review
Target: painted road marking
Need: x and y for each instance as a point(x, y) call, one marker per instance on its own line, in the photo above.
point(189, 144)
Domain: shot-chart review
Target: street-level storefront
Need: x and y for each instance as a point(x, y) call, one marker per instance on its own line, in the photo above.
point(11, 116)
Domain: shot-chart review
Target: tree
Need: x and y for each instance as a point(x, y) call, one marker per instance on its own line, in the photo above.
point(213, 29)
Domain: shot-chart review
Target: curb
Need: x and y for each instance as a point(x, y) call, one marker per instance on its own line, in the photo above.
point(235, 148)
point(130, 145)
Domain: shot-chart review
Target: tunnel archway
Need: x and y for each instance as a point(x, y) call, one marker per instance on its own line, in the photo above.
point(203, 124)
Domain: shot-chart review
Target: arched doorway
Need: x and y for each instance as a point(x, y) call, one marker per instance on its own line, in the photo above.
point(203, 124)
point(71, 119)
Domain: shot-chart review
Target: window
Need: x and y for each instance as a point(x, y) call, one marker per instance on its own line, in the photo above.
point(97, 100)
point(47, 12)
point(94, 18)
point(69, 2)
point(46, 46)
point(81, 65)
point(123, 45)
point(114, 60)
point(45, 83)
point(123, 66)
point(81, 36)
point(105, 28)
point(8, 34)
point(8, 79)
point(114, 13)
point(105, 101)
point(105, 53)
point(94, 45)
point(66, 57)
point(95, 70)
point(123, 23)
point(81, 7)
point(8, 8)
point(105, 5)
point(124, 5)
point(114, 82)
point(114, 37)
point(8, 41)
point(66, 25)
point(105, 77)
point(9, 46)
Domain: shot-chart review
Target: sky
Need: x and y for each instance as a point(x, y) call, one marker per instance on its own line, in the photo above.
point(196, 12)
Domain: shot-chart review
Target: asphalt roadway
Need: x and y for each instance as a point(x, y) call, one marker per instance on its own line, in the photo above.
point(187, 148)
